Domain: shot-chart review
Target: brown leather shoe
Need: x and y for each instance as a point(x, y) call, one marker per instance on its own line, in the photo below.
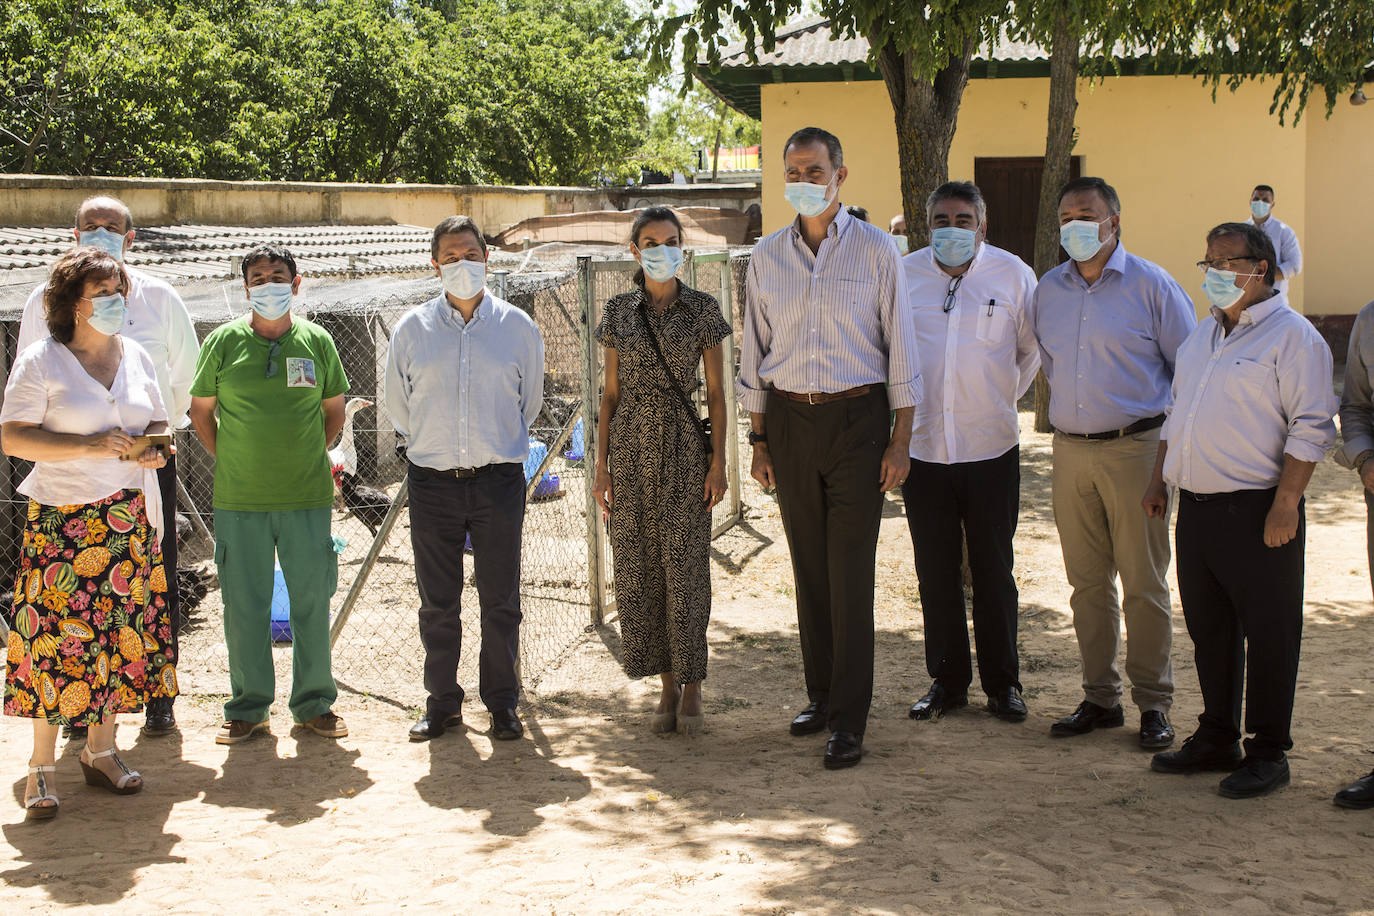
point(236, 730)
point(327, 725)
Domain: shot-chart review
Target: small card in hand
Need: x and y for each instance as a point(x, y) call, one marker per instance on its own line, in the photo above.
point(143, 443)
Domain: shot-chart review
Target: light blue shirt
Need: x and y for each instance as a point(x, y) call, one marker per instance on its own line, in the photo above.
point(463, 395)
point(1108, 349)
point(1286, 248)
point(1243, 400)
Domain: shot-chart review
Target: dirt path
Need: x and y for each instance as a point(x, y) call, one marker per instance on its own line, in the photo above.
point(592, 814)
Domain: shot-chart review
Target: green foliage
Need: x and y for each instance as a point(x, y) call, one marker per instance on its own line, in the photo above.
point(503, 91)
point(689, 121)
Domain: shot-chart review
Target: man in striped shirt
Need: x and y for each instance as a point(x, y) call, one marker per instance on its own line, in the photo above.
point(828, 352)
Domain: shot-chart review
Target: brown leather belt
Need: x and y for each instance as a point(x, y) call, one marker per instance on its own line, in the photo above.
point(1139, 426)
point(822, 397)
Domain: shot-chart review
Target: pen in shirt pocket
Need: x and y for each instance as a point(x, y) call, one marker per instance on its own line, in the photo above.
point(991, 303)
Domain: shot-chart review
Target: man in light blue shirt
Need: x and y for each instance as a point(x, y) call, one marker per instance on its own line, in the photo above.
point(1109, 324)
point(1281, 235)
point(464, 381)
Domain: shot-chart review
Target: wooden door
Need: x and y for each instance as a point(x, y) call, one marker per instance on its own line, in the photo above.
point(1011, 189)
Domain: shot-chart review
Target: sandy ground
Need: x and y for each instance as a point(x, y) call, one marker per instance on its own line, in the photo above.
point(592, 814)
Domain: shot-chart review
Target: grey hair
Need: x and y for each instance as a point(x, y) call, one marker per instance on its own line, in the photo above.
point(105, 202)
point(966, 191)
point(809, 135)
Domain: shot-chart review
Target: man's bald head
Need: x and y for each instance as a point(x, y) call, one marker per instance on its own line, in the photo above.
point(101, 211)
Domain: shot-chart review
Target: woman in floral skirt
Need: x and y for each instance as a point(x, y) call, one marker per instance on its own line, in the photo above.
point(91, 634)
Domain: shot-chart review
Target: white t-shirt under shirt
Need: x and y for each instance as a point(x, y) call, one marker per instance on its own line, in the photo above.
point(49, 386)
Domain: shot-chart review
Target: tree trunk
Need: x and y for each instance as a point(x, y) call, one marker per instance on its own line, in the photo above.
point(54, 91)
point(925, 115)
point(1058, 148)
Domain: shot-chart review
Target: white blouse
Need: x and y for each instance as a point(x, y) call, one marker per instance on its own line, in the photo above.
point(49, 386)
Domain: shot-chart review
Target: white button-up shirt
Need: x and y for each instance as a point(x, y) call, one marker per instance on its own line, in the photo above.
point(1286, 248)
point(1242, 401)
point(829, 321)
point(976, 359)
point(158, 320)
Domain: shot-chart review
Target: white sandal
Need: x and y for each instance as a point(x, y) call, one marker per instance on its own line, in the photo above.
point(97, 778)
point(34, 808)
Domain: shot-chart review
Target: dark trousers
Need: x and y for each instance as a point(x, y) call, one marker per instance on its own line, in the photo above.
point(945, 503)
point(1369, 532)
point(827, 459)
point(167, 487)
point(1242, 602)
point(443, 512)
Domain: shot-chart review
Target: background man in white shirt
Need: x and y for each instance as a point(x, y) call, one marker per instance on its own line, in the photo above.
point(1281, 235)
point(159, 321)
point(970, 305)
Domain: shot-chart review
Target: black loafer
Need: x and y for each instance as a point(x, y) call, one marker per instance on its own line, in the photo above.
point(937, 702)
point(1155, 730)
point(506, 725)
point(1007, 704)
point(1359, 795)
point(844, 749)
point(810, 720)
point(432, 726)
point(1087, 717)
point(1255, 777)
point(1198, 755)
point(160, 720)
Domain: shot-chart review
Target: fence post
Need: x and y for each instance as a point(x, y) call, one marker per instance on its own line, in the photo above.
point(591, 403)
point(500, 277)
point(727, 307)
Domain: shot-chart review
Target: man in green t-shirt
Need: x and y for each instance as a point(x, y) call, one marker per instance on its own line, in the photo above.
point(278, 386)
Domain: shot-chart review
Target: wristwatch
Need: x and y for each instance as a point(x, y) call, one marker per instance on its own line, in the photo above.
point(756, 438)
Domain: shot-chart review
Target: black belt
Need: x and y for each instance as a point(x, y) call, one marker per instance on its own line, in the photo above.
point(460, 473)
point(1230, 496)
point(1139, 426)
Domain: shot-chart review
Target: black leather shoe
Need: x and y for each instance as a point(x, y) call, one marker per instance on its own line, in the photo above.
point(505, 725)
point(160, 720)
point(1007, 704)
point(1155, 730)
point(1087, 717)
point(937, 702)
point(433, 726)
point(1255, 777)
point(810, 720)
point(1198, 755)
point(844, 749)
point(1359, 795)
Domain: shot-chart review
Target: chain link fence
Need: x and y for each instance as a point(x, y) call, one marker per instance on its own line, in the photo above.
point(566, 580)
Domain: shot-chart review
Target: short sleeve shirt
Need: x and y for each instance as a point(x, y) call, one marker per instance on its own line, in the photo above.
point(270, 449)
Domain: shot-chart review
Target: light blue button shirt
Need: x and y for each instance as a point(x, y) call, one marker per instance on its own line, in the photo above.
point(1108, 349)
point(1243, 400)
point(463, 395)
point(1286, 248)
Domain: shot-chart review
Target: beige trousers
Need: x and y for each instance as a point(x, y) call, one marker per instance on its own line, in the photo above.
point(1104, 533)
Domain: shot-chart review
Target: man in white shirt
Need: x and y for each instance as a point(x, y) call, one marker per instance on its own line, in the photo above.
point(970, 306)
point(159, 321)
point(1281, 235)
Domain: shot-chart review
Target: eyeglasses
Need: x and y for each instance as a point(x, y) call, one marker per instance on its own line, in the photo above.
point(952, 292)
point(1221, 263)
point(272, 353)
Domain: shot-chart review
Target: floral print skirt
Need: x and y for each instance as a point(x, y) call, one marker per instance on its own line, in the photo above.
point(90, 634)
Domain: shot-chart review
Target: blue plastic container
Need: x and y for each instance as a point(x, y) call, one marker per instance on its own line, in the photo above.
point(577, 449)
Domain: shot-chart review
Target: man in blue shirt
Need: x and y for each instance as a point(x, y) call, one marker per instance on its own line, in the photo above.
point(464, 381)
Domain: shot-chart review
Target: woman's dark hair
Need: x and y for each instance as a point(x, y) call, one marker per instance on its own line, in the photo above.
point(67, 284)
point(1257, 245)
point(645, 217)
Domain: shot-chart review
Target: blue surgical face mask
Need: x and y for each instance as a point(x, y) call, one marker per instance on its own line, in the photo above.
point(661, 262)
point(1259, 209)
point(953, 246)
point(1080, 238)
point(107, 313)
point(109, 242)
point(903, 246)
point(271, 300)
point(806, 198)
point(464, 279)
point(1220, 287)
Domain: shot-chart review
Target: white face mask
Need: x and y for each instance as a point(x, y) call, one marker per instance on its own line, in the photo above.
point(464, 279)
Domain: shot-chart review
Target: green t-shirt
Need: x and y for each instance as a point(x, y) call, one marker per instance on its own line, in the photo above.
point(270, 448)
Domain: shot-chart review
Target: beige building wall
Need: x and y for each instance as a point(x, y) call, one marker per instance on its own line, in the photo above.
point(1180, 162)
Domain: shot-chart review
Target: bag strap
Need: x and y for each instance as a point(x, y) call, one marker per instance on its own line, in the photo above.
point(682, 398)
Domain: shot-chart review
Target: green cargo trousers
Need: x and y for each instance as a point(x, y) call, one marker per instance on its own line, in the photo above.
point(244, 547)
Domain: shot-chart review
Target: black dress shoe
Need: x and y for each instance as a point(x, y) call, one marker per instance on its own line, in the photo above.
point(1087, 717)
point(1155, 730)
point(1007, 704)
point(937, 702)
point(844, 749)
point(810, 720)
point(1359, 795)
point(1255, 777)
point(160, 720)
point(1198, 755)
point(505, 725)
point(432, 726)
